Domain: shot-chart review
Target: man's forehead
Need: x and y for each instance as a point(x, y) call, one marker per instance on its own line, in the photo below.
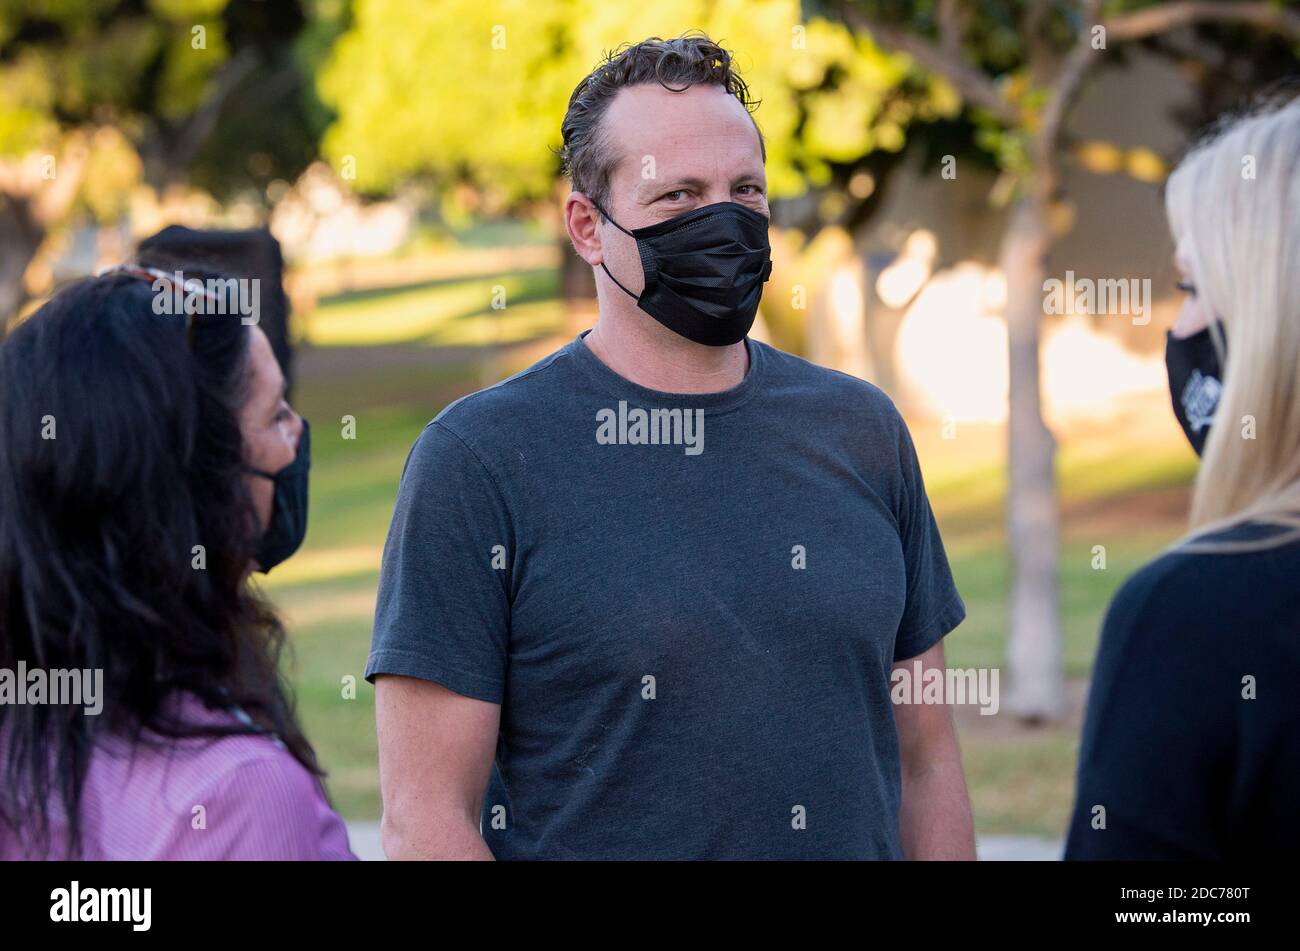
point(691, 133)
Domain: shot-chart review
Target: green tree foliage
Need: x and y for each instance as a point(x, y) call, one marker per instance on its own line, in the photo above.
point(98, 95)
point(474, 95)
point(72, 63)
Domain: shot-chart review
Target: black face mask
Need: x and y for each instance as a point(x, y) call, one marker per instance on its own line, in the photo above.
point(1195, 382)
point(288, 525)
point(704, 271)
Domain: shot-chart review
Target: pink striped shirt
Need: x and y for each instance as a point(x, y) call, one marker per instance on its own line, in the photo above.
point(236, 797)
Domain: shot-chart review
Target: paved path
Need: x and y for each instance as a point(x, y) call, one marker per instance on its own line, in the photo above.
point(365, 843)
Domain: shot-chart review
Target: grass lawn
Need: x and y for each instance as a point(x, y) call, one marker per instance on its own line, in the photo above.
point(1123, 487)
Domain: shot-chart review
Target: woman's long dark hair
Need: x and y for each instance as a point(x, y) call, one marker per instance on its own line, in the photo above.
point(121, 453)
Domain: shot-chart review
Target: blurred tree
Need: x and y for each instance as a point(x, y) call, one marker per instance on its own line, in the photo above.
point(99, 95)
point(470, 102)
point(1020, 66)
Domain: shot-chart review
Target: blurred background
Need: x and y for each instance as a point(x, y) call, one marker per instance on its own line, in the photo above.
point(401, 155)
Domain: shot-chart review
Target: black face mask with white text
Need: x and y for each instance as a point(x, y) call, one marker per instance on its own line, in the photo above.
point(704, 271)
point(1195, 382)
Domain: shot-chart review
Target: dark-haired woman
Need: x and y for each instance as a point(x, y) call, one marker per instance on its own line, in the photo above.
point(150, 464)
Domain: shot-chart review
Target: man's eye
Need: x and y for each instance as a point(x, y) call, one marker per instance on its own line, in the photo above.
point(1187, 287)
point(675, 195)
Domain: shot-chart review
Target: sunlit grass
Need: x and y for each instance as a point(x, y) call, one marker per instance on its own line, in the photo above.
point(1023, 786)
point(441, 313)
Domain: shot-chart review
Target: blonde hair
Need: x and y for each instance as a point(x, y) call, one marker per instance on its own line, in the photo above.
point(1234, 209)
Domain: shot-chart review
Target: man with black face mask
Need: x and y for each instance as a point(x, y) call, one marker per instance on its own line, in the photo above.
point(653, 597)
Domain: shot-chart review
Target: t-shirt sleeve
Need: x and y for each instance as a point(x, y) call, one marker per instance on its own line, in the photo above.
point(933, 606)
point(1159, 732)
point(443, 609)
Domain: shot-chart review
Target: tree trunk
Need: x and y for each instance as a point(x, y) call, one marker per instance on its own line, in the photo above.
point(1034, 646)
point(20, 237)
point(882, 326)
point(577, 288)
point(577, 283)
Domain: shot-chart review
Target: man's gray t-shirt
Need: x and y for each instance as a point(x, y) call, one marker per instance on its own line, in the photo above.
point(688, 617)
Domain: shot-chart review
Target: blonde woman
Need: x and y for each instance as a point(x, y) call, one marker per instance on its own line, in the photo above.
point(1191, 745)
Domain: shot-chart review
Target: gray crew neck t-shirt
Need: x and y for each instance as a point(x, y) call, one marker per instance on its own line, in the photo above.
point(687, 605)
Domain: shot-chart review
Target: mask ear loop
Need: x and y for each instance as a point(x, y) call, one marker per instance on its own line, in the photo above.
point(611, 220)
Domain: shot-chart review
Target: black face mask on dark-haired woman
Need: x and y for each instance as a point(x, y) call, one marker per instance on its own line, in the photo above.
point(288, 525)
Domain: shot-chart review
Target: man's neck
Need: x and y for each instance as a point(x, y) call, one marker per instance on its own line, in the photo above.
point(640, 349)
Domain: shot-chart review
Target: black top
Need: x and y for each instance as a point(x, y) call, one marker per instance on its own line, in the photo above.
point(1192, 738)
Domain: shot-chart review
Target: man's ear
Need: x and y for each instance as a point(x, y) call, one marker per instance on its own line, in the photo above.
point(582, 223)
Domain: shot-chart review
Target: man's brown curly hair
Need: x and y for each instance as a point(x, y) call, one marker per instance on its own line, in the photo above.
point(676, 64)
